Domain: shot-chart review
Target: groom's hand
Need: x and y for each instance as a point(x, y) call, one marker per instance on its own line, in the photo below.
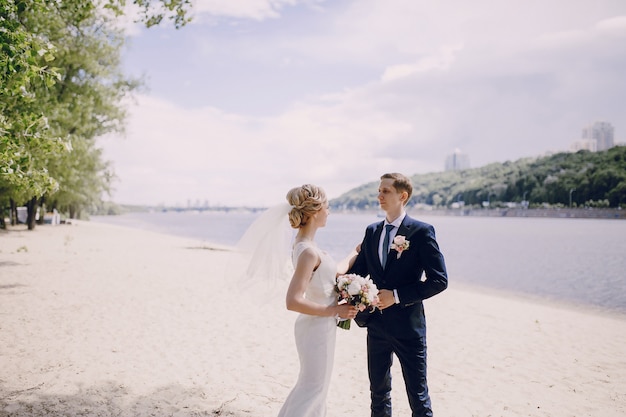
point(385, 299)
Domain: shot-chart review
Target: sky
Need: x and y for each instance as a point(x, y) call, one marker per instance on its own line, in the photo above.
point(255, 97)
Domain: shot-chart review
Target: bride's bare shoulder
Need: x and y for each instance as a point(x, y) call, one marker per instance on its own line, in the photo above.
point(305, 250)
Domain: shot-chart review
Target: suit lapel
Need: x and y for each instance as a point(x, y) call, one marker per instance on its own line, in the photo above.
point(374, 246)
point(405, 230)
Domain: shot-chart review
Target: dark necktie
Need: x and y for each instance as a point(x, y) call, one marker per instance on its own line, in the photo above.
point(386, 243)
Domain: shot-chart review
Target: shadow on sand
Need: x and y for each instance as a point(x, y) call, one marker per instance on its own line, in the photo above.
point(113, 399)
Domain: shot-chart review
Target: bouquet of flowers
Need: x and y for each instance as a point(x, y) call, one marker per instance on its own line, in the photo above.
point(358, 291)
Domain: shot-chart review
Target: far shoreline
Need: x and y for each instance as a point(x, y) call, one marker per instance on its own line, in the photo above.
point(561, 213)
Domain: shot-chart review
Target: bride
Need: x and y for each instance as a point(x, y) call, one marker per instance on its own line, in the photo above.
point(310, 292)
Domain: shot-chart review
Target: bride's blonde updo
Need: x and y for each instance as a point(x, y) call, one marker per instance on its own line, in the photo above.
point(305, 201)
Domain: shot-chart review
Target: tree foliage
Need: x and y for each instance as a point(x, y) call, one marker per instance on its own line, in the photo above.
point(61, 87)
point(590, 178)
point(152, 13)
point(25, 139)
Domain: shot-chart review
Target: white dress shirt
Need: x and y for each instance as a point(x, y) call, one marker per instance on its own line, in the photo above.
point(396, 224)
point(392, 233)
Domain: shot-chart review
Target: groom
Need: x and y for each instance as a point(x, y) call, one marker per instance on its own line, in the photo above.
point(405, 274)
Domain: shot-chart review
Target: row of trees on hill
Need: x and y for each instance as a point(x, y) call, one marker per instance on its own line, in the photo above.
point(61, 87)
point(591, 179)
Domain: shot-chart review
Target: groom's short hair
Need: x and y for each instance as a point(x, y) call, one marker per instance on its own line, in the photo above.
point(400, 182)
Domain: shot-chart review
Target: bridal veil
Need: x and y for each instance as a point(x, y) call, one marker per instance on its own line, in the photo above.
point(266, 248)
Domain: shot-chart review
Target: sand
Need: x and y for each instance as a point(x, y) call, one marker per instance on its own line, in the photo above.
point(100, 320)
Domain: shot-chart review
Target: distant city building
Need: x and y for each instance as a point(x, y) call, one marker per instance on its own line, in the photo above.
point(584, 145)
point(602, 132)
point(457, 161)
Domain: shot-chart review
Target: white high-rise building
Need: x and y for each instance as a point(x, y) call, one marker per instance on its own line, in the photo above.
point(457, 161)
point(584, 144)
point(602, 132)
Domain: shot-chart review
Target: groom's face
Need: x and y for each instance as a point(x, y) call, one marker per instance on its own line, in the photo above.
point(389, 198)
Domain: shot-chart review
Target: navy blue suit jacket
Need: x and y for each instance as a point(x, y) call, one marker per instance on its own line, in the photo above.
point(418, 274)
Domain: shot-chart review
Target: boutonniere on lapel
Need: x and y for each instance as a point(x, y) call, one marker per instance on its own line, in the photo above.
point(400, 244)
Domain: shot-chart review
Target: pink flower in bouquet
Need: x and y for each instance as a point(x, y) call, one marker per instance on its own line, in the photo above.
point(356, 290)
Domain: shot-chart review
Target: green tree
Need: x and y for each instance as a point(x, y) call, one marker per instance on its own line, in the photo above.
point(152, 12)
point(596, 176)
point(86, 99)
point(25, 138)
point(60, 88)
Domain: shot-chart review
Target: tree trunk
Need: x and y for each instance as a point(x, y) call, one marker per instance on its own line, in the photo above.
point(13, 212)
point(32, 211)
point(42, 212)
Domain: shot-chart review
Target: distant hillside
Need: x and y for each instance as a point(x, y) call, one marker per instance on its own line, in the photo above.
point(593, 179)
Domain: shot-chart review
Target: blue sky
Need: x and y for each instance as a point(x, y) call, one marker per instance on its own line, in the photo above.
point(257, 96)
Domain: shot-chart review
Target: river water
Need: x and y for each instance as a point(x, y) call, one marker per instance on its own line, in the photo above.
point(580, 261)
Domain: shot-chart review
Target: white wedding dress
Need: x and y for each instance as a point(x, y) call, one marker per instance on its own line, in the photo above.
point(315, 342)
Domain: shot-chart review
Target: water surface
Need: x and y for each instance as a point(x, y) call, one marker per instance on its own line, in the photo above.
point(572, 260)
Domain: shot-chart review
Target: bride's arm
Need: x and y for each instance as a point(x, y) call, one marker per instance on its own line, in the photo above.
point(307, 262)
point(345, 264)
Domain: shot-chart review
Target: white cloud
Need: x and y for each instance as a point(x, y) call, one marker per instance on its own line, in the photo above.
point(615, 25)
point(232, 159)
point(340, 95)
point(243, 9)
point(440, 62)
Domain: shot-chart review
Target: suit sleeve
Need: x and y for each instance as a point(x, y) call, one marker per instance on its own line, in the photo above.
point(433, 264)
point(360, 264)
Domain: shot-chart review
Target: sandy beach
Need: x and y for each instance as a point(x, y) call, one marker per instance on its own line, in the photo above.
point(100, 320)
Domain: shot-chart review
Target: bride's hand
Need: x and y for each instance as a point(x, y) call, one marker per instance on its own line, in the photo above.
point(346, 311)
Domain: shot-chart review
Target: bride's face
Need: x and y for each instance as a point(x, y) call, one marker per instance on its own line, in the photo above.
point(322, 215)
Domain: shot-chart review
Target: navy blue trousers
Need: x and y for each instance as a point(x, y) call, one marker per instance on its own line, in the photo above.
point(411, 354)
